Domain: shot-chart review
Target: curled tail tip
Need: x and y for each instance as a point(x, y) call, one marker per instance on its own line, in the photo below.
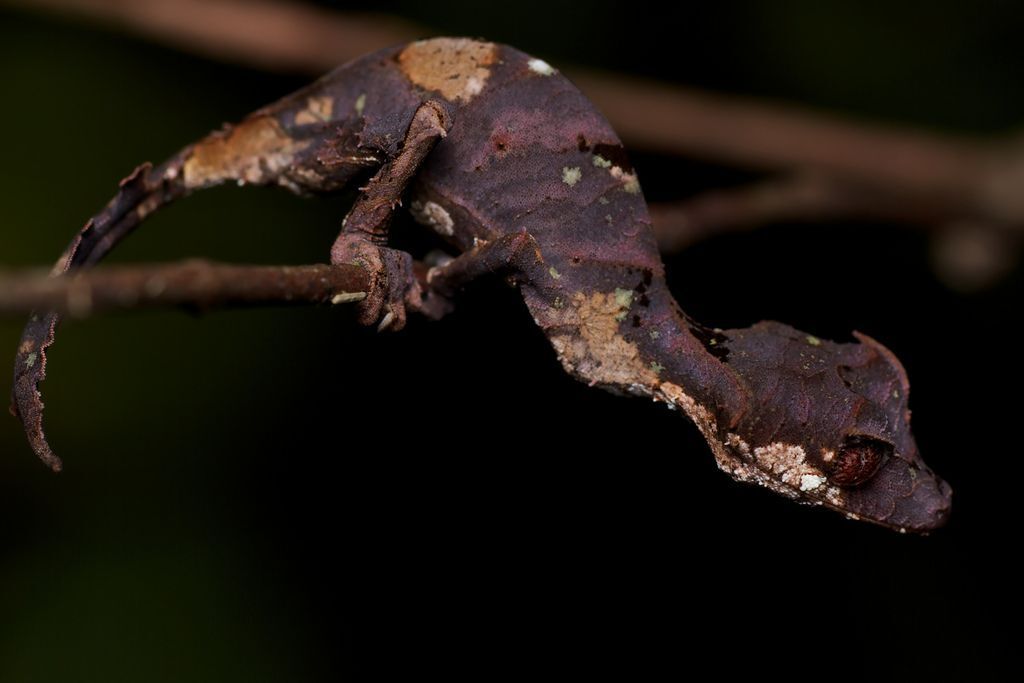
point(29, 372)
point(33, 406)
point(29, 409)
point(139, 194)
point(49, 458)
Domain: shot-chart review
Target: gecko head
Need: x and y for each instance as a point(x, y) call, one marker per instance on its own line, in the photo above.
point(828, 423)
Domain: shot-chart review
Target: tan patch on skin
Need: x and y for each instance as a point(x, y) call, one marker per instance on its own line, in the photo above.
point(701, 416)
point(598, 352)
point(458, 68)
point(254, 151)
point(26, 346)
point(318, 110)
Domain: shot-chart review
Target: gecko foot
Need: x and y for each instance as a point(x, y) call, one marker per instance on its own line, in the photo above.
point(394, 287)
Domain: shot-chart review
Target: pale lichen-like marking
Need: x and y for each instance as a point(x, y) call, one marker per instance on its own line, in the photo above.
point(810, 482)
point(433, 216)
point(624, 298)
point(347, 297)
point(834, 496)
point(539, 66)
point(254, 151)
point(30, 360)
point(318, 109)
point(789, 464)
point(458, 68)
point(360, 104)
point(781, 467)
point(571, 175)
point(735, 457)
point(629, 181)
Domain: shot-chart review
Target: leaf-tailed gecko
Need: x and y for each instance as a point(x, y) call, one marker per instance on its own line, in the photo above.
point(515, 169)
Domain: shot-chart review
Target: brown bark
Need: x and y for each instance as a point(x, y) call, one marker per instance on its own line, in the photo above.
point(195, 284)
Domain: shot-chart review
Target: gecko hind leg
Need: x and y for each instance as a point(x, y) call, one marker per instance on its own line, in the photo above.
point(516, 253)
point(365, 230)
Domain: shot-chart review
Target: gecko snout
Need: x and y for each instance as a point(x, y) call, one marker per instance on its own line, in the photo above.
point(904, 494)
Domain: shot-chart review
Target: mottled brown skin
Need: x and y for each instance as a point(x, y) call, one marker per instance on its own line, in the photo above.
point(522, 176)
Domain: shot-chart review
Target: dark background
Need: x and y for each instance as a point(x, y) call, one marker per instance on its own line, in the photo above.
point(276, 495)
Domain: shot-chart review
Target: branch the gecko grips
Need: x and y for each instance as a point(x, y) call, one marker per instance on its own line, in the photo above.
point(514, 169)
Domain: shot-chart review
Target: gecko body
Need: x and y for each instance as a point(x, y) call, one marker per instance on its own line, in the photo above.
point(503, 158)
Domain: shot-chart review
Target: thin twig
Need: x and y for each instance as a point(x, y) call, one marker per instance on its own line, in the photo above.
point(195, 284)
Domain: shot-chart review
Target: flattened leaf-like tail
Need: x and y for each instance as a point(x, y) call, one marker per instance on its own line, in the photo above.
point(259, 150)
point(142, 192)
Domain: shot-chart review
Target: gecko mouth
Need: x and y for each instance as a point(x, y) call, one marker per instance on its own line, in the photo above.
point(901, 495)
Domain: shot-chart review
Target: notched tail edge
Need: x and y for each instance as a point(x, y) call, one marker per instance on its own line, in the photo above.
point(140, 193)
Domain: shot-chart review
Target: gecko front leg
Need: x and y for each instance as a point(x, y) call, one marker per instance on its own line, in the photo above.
point(364, 234)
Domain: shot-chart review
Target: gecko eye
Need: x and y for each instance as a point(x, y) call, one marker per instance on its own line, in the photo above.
point(858, 460)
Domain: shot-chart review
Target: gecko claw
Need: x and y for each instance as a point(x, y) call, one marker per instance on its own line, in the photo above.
point(386, 321)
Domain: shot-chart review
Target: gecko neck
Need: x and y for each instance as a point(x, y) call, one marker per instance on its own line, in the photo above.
point(628, 335)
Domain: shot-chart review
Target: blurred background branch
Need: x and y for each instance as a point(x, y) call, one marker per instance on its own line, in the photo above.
point(929, 180)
